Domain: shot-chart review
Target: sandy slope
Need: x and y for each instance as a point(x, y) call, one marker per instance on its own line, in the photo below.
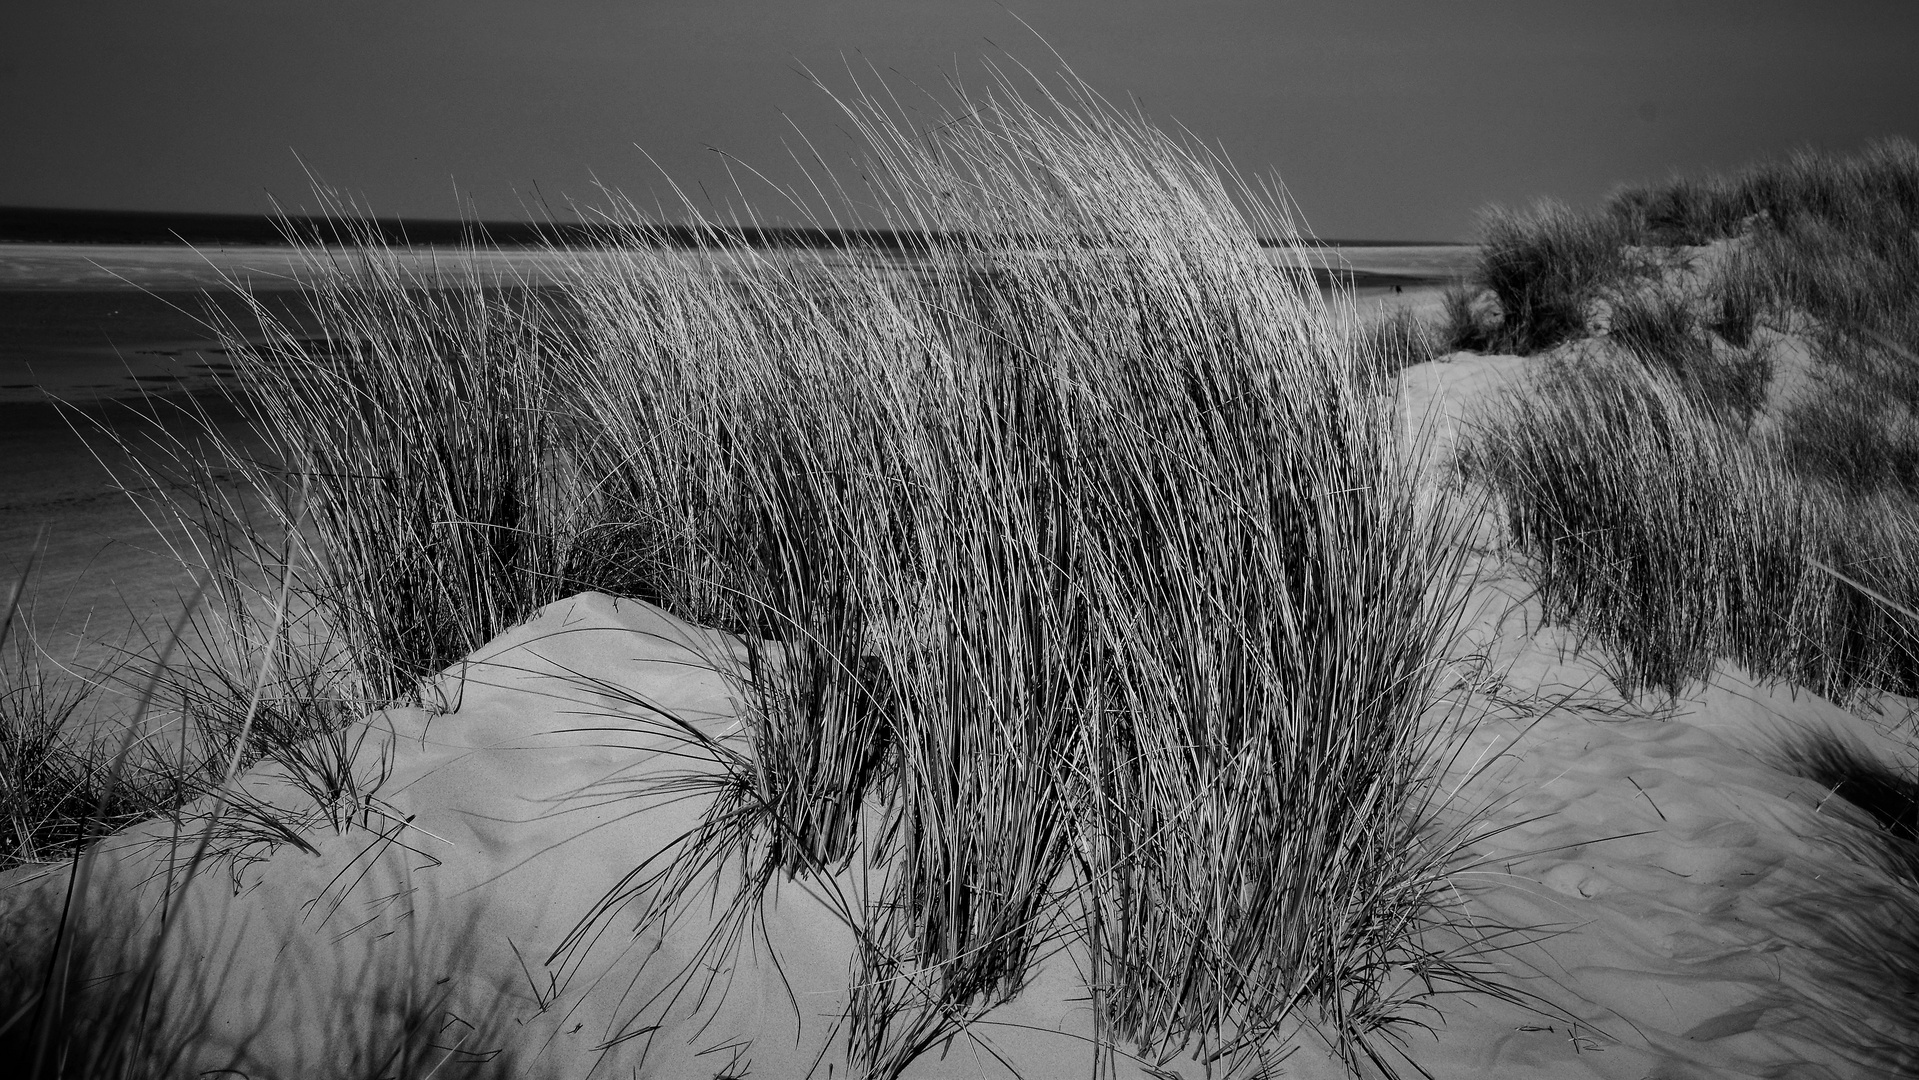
point(500, 825)
point(1689, 910)
point(1702, 912)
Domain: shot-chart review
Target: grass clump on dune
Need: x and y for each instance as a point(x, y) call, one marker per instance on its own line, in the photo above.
point(1832, 237)
point(57, 789)
point(1623, 495)
point(1661, 330)
point(1400, 338)
point(415, 476)
point(1465, 324)
point(1546, 269)
point(1086, 601)
point(1853, 440)
point(1855, 193)
point(1092, 573)
point(1678, 541)
point(1659, 511)
point(1085, 597)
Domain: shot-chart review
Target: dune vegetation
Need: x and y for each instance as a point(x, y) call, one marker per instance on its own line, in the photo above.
point(1680, 498)
point(1677, 494)
point(1087, 595)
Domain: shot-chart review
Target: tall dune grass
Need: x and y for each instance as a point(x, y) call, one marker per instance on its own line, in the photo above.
point(1855, 192)
point(55, 791)
point(1398, 339)
point(1827, 235)
point(1679, 541)
point(1086, 598)
point(1662, 330)
point(413, 446)
point(1547, 268)
point(1090, 571)
point(1659, 514)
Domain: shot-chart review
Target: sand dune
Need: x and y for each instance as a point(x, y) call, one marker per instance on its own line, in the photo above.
point(1678, 906)
point(500, 825)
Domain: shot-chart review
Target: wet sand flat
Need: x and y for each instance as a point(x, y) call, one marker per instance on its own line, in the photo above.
point(102, 576)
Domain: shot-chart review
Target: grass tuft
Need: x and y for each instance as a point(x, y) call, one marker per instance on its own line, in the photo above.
point(1396, 339)
point(1658, 511)
point(1097, 604)
point(1546, 268)
point(1678, 541)
point(1661, 330)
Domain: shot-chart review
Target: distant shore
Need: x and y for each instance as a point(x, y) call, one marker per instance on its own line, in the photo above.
point(56, 225)
point(87, 321)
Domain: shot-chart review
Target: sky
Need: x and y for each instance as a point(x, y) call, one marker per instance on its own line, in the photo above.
point(1398, 119)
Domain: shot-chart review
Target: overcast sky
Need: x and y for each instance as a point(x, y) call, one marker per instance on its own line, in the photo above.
point(1385, 120)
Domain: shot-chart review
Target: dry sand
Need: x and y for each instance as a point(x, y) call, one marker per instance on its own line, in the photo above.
point(1692, 910)
point(499, 826)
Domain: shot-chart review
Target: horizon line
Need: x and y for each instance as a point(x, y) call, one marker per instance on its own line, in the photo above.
point(78, 225)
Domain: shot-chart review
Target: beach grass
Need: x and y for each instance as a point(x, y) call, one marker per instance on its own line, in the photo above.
point(1829, 236)
point(1085, 592)
point(1672, 500)
point(1662, 329)
point(1656, 510)
point(1083, 563)
point(1399, 338)
point(1679, 541)
point(1086, 598)
point(1546, 268)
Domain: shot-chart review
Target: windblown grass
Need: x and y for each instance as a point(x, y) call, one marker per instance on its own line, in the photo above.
point(87, 988)
point(1086, 597)
point(51, 783)
point(1660, 328)
point(1685, 211)
point(1658, 514)
point(1679, 541)
point(1832, 237)
point(1398, 339)
point(1546, 268)
point(1087, 600)
point(59, 787)
point(1464, 325)
point(1856, 441)
point(1855, 193)
point(1739, 295)
point(410, 472)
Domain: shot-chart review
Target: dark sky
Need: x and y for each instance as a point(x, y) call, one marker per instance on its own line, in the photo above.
point(1385, 120)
